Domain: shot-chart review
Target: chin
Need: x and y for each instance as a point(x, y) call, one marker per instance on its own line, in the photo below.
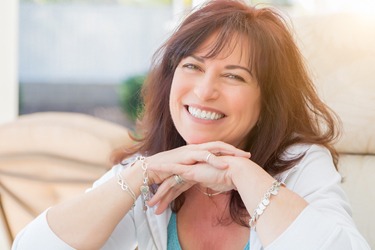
point(197, 139)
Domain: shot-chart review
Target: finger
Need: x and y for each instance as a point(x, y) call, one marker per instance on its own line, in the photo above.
point(168, 192)
point(222, 148)
point(161, 192)
point(167, 170)
point(215, 161)
point(173, 193)
point(170, 183)
point(199, 172)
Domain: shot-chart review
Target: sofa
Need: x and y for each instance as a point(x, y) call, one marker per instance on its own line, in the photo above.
point(48, 157)
point(340, 52)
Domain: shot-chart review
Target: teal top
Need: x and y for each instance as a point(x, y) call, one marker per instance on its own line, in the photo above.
point(173, 243)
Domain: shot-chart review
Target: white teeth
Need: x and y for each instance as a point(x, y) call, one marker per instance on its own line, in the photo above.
point(203, 114)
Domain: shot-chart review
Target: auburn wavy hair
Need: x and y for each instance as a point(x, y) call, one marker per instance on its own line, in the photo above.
point(291, 111)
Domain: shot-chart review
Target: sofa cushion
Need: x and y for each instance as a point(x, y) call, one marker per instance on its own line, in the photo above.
point(340, 51)
point(31, 183)
point(46, 158)
point(69, 135)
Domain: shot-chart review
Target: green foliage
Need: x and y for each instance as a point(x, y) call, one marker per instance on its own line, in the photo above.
point(130, 96)
point(20, 98)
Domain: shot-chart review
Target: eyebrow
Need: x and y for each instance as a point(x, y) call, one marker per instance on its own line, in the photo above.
point(200, 59)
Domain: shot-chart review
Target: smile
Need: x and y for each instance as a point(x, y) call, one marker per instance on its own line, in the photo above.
point(204, 114)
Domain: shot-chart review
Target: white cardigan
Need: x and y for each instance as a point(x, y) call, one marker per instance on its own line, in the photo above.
point(325, 223)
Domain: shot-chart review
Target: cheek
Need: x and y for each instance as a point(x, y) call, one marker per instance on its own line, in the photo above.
point(251, 106)
point(172, 103)
point(175, 96)
point(178, 89)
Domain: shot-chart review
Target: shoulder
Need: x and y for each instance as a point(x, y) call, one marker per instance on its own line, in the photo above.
point(315, 169)
point(311, 153)
point(309, 150)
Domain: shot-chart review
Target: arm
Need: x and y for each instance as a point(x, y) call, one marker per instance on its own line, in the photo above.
point(324, 222)
point(252, 182)
point(95, 213)
point(87, 221)
point(311, 212)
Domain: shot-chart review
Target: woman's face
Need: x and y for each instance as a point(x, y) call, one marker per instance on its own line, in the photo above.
point(215, 99)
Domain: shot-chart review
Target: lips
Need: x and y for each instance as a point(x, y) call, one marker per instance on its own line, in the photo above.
point(204, 114)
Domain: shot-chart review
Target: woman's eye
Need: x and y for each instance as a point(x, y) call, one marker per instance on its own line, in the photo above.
point(190, 66)
point(235, 77)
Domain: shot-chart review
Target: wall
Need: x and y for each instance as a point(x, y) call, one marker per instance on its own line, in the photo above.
point(8, 60)
point(97, 43)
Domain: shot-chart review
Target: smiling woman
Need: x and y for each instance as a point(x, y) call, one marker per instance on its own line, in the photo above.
point(235, 151)
point(209, 95)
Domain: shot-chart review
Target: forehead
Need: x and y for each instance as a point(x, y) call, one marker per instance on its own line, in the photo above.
point(235, 46)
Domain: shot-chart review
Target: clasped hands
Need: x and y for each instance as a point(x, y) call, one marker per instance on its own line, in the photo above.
point(208, 164)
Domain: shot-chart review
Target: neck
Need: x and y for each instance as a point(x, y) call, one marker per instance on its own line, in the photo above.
point(204, 211)
point(196, 197)
point(209, 192)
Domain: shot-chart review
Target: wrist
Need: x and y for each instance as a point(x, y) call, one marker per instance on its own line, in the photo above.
point(242, 172)
point(133, 175)
point(251, 181)
point(139, 168)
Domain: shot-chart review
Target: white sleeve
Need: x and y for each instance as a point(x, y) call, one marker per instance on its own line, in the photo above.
point(326, 223)
point(38, 234)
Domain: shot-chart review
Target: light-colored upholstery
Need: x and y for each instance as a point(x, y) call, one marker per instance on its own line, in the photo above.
point(340, 51)
point(46, 158)
point(68, 135)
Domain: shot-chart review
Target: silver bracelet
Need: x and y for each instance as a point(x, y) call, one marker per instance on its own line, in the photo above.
point(274, 190)
point(125, 186)
point(145, 189)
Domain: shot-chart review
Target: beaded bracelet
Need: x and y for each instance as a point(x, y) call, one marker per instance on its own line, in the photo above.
point(274, 190)
point(145, 189)
point(124, 186)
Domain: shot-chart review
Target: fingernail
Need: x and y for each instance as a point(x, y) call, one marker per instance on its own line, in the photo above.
point(247, 154)
point(224, 164)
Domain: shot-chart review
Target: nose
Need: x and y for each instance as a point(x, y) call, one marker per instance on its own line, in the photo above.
point(206, 88)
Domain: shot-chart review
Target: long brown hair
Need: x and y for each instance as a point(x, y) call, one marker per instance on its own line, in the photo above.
point(291, 111)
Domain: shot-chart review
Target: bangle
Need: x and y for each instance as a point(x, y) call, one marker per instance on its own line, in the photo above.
point(145, 189)
point(124, 186)
point(274, 190)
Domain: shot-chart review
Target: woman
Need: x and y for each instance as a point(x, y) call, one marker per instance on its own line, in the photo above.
point(229, 81)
